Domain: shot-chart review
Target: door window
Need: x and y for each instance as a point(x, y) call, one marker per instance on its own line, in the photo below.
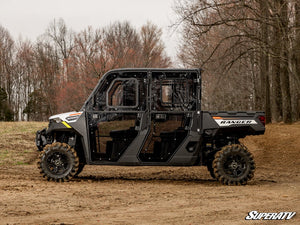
point(123, 93)
point(173, 92)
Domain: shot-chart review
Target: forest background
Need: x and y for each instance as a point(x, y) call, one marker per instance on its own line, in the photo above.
point(249, 51)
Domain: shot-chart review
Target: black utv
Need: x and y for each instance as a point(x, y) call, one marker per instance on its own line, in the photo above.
point(149, 117)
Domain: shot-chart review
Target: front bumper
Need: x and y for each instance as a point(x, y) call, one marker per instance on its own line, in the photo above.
point(40, 139)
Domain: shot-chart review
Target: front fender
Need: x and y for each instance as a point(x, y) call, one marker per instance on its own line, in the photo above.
point(62, 126)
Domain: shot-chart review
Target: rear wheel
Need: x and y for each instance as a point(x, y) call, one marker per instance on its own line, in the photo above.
point(58, 162)
point(234, 165)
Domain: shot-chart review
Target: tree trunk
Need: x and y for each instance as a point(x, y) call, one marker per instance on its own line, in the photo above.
point(295, 83)
point(264, 59)
point(297, 41)
point(284, 75)
point(285, 91)
point(276, 89)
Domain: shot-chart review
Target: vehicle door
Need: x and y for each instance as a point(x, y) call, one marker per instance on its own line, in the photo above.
point(114, 117)
point(173, 102)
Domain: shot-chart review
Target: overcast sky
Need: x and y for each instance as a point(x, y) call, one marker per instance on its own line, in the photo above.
point(30, 18)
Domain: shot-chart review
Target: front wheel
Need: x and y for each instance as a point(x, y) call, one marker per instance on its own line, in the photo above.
point(58, 162)
point(79, 170)
point(234, 165)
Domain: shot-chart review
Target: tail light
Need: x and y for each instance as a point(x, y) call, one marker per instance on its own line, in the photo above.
point(262, 119)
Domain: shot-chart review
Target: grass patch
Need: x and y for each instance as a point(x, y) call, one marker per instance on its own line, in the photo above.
point(22, 163)
point(17, 142)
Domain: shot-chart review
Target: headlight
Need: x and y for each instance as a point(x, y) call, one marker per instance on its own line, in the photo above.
point(72, 118)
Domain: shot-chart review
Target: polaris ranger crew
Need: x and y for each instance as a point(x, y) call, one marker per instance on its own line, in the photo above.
point(149, 117)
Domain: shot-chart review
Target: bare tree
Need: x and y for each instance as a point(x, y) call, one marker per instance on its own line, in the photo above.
point(296, 63)
point(152, 47)
point(24, 66)
point(32, 74)
point(63, 40)
point(122, 45)
point(247, 38)
point(90, 52)
point(6, 62)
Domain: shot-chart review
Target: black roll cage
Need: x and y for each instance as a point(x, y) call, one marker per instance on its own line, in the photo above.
point(148, 77)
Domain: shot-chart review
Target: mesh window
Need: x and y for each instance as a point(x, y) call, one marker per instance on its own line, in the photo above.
point(173, 94)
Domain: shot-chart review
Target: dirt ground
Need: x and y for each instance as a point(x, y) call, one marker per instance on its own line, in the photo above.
point(158, 195)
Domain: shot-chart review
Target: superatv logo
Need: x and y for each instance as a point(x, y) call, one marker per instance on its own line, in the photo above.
point(254, 215)
point(229, 122)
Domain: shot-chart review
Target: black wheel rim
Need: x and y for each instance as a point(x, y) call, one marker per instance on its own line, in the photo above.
point(235, 166)
point(58, 163)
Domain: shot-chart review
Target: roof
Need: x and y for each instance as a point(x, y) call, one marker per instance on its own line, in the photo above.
point(157, 69)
